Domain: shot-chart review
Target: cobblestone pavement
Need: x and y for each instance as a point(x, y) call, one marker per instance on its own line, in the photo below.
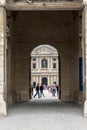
point(44, 114)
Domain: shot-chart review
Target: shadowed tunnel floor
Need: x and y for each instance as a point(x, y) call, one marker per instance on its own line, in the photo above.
point(45, 106)
point(44, 114)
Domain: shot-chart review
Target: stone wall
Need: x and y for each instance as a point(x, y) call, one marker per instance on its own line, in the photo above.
point(2, 63)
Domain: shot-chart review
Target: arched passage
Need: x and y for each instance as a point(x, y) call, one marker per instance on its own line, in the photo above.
point(56, 30)
point(44, 66)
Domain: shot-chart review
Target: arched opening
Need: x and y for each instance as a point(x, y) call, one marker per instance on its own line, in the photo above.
point(45, 69)
point(51, 28)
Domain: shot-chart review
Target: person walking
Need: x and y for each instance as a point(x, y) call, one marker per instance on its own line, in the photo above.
point(37, 90)
point(41, 90)
point(57, 88)
point(53, 89)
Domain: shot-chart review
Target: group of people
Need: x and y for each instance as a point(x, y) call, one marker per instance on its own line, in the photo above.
point(54, 89)
point(39, 90)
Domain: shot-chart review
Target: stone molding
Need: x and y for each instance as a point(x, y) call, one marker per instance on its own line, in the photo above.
point(65, 5)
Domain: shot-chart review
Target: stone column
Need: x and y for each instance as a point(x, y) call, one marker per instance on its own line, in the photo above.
point(2, 59)
point(30, 88)
point(85, 56)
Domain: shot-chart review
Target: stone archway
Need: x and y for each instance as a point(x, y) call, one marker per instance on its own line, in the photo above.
point(66, 46)
point(37, 32)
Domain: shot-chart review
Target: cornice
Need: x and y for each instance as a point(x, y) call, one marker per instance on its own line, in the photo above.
point(59, 5)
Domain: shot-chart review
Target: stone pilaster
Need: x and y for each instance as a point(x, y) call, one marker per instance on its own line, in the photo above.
point(48, 61)
point(48, 80)
point(85, 56)
point(29, 77)
point(2, 60)
point(51, 62)
point(37, 63)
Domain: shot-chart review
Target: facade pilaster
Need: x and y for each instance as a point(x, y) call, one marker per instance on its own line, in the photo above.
point(39, 79)
point(85, 56)
point(3, 110)
point(37, 63)
point(48, 80)
point(51, 80)
point(51, 62)
point(48, 61)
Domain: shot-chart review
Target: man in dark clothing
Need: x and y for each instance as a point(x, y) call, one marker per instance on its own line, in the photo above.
point(41, 90)
point(37, 90)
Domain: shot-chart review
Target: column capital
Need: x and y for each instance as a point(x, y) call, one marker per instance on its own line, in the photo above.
point(2, 3)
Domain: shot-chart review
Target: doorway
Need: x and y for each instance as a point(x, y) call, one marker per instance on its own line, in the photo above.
point(44, 81)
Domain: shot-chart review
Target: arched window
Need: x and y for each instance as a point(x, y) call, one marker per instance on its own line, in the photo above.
point(44, 63)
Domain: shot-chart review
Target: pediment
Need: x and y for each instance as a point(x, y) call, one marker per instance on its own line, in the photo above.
point(45, 49)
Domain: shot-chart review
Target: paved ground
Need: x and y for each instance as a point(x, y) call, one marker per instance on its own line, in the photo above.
point(44, 114)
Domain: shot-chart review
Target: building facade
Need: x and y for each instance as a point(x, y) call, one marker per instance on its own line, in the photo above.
point(44, 66)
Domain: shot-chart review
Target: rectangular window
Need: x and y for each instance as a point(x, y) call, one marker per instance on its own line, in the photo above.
point(34, 65)
point(54, 65)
